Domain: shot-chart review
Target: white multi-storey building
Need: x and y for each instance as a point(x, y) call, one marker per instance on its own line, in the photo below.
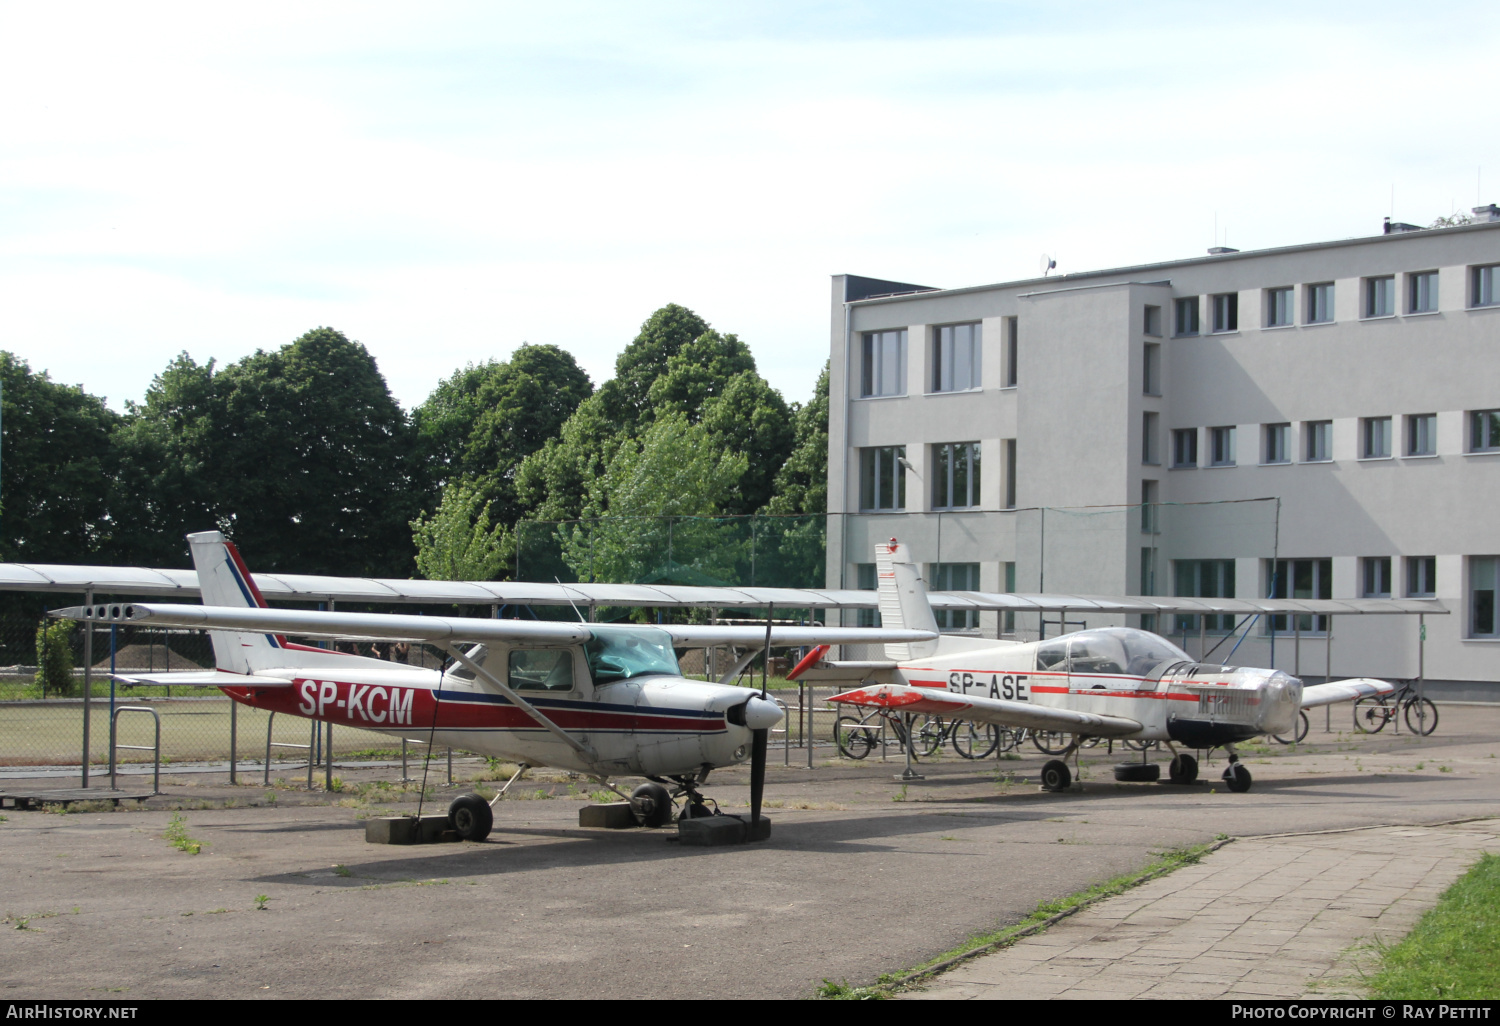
point(1353, 385)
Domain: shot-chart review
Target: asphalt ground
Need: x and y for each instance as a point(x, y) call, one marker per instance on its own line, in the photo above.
point(862, 875)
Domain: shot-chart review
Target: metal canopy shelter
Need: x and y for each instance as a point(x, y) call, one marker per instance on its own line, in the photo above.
point(183, 584)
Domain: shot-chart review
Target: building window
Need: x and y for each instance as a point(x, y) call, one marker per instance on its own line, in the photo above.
point(1221, 447)
point(1187, 316)
point(1319, 305)
point(955, 475)
point(1375, 573)
point(882, 478)
point(1421, 434)
point(1278, 307)
point(1484, 430)
point(1318, 441)
point(1153, 321)
point(1205, 578)
point(883, 365)
point(1484, 285)
point(1301, 579)
point(1185, 447)
point(955, 577)
point(1227, 312)
point(1375, 438)
point(1380, 296)
point(1151, 369)
point(955, 357)
point(1422, 292)
point(1482, 622)
point(1149, 431)
point(1150, 496)
point(1421, 576)
point(865, 580)
point(1008, 618)
point(1148, 574)
point(1010, 473)
point(1278, 437)
point(1012, 346)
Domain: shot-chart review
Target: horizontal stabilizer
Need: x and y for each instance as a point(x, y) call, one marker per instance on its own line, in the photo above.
point(1344, 691)
point(999, 711)
point(202, 679)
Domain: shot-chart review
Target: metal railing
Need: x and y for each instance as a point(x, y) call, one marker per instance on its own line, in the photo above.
point(154, 749)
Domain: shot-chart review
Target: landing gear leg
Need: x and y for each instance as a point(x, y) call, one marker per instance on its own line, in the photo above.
point(1235, 774)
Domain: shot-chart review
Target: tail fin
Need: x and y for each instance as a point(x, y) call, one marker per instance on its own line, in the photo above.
point(223, 580)
point(903, 600)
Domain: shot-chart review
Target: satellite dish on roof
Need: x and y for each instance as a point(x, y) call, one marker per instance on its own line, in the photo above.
point(1048, 263)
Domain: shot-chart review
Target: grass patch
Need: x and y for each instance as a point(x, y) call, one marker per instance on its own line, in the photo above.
point(177, 836)
point(1044, 915)
point(1454, 951)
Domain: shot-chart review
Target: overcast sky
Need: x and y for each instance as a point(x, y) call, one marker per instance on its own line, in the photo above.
point(444, 181)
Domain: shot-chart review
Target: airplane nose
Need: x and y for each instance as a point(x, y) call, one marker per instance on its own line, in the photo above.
point(762, 713)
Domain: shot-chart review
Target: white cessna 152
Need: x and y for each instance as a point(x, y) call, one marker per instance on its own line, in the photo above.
point(1110, 682)
point(599, 699)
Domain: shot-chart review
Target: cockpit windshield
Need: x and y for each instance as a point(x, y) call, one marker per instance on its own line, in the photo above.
point(620, 653)
point(1109, 650)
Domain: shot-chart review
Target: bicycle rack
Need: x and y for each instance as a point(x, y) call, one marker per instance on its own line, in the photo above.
point(308, 748)
point(155, 750)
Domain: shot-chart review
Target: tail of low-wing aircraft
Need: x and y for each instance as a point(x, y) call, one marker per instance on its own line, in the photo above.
point(903, 600)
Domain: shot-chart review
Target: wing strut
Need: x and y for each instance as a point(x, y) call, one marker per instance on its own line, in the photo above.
point(520, 703)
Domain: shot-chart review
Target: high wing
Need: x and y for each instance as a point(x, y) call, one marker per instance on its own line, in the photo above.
point(345, 626)
point(1344, 691)
point(988, 710)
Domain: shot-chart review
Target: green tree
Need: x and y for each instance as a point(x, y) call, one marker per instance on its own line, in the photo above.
point(300, 454)
point(54, 657)
point(750, 417)
point(56, 463)
point(675, 470)
point(802, 481)
point(457, 542)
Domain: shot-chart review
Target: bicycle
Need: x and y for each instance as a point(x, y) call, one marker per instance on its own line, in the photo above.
point(857, 737)
point(1297, 734)
point(1372, 714)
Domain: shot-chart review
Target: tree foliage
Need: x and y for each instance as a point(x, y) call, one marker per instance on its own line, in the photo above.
point(56, 461)
point(457, 542)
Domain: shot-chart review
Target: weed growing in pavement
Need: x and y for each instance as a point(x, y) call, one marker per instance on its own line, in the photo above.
point(261, 902)
point(177, 835)
point(343, 870)
point(899, 796)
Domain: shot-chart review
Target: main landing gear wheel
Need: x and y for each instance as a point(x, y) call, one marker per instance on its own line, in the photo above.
point(652, 805)
point(1183, 770)
point(1138, 772)
point(1237, 777)
point(470, 817)
point(1055, 775)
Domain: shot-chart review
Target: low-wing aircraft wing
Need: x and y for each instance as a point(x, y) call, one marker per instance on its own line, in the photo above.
point(438, 629)
point(1344, 691)
point(980, 709)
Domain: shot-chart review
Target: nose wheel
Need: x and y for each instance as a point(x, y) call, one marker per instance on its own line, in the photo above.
point(1236, 776)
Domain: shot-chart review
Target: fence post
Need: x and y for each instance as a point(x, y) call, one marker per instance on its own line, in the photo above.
point(88, 684)
point(234, 737)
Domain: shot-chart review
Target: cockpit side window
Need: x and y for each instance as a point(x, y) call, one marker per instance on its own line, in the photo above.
point(478, 654)
point(1095, 652)
point(1052, 655)
point(541, 669)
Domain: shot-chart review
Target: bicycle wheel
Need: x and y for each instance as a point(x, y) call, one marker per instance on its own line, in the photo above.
point(930, 732)
point(975, 740)
point(1371, 715)
point(1139, 746)
point(1297, 734)
point(1421, 716)
point(1005, 739)
point(855, 740)
point(1050, 742)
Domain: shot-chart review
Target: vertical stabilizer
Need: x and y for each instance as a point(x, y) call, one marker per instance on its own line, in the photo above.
point(903, 600)
point(223, 580)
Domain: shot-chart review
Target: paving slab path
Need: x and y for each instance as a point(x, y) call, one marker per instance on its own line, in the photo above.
point(1268, 917)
